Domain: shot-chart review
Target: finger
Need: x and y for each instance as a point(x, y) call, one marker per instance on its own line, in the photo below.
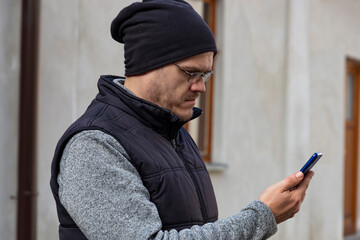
point(305, 183)
point(303, 196)
point(292, 180)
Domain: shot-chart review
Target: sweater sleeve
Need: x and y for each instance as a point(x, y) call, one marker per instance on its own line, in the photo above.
point(103, 193)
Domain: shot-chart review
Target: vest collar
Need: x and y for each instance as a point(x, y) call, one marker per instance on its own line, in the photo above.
point(159, 119)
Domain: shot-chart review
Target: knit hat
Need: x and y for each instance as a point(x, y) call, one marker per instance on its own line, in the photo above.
point(159, 32)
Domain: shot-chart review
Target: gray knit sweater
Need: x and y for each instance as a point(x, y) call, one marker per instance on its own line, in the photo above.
point(104, 194)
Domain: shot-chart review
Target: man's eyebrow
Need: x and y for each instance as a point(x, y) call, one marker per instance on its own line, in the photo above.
point(194, 69)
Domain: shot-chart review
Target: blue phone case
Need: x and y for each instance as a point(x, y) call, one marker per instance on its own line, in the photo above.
point(312, 161)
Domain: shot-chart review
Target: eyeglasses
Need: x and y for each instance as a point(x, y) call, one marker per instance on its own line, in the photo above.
point(196, 76)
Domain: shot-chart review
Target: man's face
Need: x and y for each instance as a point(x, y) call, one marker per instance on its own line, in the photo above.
point(170, 88)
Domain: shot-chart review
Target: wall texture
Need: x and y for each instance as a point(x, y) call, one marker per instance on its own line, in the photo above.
point(249, 100)
point(9, 89)
point(280, 97)
point(332, 39)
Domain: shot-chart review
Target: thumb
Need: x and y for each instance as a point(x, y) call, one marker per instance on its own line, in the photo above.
point(292, 180)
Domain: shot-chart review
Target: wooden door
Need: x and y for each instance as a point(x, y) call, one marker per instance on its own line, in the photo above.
point(351, 146)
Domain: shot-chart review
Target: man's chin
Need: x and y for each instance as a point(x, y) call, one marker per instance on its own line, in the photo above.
point(185, 116)
point(185, 119)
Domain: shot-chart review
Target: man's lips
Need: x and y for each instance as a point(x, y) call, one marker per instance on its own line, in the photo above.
point(191, 99)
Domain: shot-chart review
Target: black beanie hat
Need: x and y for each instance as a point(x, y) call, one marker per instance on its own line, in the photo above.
point(159, 32)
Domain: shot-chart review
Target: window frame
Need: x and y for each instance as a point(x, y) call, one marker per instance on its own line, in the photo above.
point(204, 129)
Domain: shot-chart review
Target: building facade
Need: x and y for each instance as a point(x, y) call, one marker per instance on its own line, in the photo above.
point(285, 86)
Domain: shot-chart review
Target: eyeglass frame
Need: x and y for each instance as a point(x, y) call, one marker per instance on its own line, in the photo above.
point(201, 75)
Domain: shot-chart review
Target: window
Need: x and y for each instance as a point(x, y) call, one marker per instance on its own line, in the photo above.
point(201, 128)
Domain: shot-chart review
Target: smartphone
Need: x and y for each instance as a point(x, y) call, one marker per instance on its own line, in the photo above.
point(311, 162)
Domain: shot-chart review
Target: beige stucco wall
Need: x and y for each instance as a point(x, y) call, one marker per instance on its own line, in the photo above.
point(9, 90)
point(268, 119)
point(334, 35)
point(249, 100)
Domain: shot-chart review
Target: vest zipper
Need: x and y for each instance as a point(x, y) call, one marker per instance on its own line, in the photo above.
point(173, 143)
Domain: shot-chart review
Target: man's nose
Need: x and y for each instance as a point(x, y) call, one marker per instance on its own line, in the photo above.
point(198, 86)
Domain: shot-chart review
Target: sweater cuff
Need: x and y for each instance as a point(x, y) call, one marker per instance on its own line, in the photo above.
point(266, 217)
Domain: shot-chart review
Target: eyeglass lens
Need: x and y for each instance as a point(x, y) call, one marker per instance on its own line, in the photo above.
point(195, 77)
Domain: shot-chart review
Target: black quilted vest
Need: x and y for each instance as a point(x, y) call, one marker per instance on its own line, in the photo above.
point(160, 149)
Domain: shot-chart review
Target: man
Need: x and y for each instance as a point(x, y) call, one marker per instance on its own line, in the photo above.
point(127, 169)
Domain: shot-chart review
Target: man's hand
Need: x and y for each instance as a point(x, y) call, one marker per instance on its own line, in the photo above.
point(283, 202)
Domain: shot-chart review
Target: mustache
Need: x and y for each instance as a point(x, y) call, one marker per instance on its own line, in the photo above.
point(192, 96)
